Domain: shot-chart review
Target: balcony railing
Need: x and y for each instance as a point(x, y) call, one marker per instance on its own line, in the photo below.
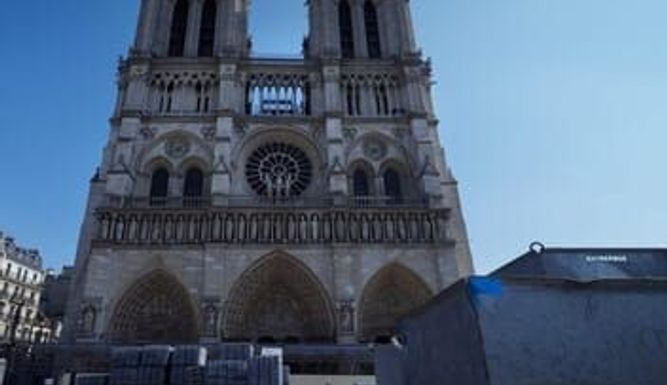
point(135, 226)
point(264, 202)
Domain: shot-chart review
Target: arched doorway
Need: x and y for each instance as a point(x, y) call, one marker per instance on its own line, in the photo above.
point(279, 299)
point(156, 309)
point(390, 294)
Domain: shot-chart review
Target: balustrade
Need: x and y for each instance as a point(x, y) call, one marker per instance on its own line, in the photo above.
point(277, 225)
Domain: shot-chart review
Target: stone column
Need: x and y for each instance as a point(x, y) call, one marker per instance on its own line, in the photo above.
point(234, 28)
point(330, 29)
point(136, 94)
point(219, 41)
point(334, 132)
point(228, 96)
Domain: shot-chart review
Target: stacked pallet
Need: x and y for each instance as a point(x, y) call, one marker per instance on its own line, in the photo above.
point(227, 372)
point(125, 366)
point(91, 379)
point(231, 352)
point(153, 365)
point(265, 370)
point(187, 365)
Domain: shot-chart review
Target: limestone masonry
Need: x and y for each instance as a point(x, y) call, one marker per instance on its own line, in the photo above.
point(244, 198)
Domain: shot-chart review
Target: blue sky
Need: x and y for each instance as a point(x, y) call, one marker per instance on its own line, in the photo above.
point(553, 114)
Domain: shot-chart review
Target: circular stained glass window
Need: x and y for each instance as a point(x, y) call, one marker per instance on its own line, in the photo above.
point(279, 170)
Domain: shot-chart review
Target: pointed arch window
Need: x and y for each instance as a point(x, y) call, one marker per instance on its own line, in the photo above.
point(159, 187)
point(346, 30)
point(193, 188)
point(179, 27)
point(372, 29)
point(392, 186)
point(207, 28)
point(360, 183)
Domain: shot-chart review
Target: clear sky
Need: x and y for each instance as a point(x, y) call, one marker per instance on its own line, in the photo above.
point(553, 114)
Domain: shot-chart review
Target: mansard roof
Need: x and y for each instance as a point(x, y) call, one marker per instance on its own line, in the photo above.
point(23, 256)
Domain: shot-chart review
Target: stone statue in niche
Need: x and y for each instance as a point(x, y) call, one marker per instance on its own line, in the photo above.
point(346, 316)
point(211, 319)
point(87, 320)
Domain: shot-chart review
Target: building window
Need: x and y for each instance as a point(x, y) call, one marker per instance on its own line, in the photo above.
point(392, 186)
point(179, 26)
point(193, 188)
point(159, 187)
point(207, 28)
point(346, 31)
point(279, 170)
point(360, 183)
point(372, 29)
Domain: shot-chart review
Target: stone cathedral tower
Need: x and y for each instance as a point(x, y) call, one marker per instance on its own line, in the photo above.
point(244, 198)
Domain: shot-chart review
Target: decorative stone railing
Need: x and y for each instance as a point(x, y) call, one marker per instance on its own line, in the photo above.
point(276, 225)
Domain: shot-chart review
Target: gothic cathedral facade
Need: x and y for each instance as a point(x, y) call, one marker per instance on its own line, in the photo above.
point(244, 198)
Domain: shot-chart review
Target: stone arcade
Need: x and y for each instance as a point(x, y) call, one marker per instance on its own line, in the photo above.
point(244, 198)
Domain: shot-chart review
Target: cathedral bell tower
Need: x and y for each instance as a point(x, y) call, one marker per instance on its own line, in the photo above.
point(244, 198)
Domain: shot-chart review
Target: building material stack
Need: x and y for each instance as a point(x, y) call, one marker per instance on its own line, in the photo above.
point(232, 352)
point(125, 366)
point(228, 372)
point(154, 365)
point(91, 379)
point(266, 369)
point(220, 364)
point(187, 365)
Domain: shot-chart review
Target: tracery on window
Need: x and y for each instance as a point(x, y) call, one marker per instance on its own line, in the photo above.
point(279, 170)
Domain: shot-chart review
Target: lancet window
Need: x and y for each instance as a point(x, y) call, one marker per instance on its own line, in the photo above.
point(207, 28)
point(371, 95)
point(183, 93)
point(278, 94)
point(392, 186)
point(179, 26)
point(360, 183)
point(346, 29)
point(159, 187)
point(193, 188)
point(372, 30)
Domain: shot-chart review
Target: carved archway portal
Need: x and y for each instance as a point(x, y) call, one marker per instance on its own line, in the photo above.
point(392, 293)
point(278, 300)
point(156, 309)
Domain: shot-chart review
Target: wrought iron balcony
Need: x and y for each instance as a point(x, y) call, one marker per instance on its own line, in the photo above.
point(282, 225)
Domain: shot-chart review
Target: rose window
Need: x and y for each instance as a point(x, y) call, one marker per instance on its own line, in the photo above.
point(279, 170)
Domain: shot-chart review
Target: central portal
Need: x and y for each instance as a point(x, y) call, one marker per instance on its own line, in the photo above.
point(278, 300)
